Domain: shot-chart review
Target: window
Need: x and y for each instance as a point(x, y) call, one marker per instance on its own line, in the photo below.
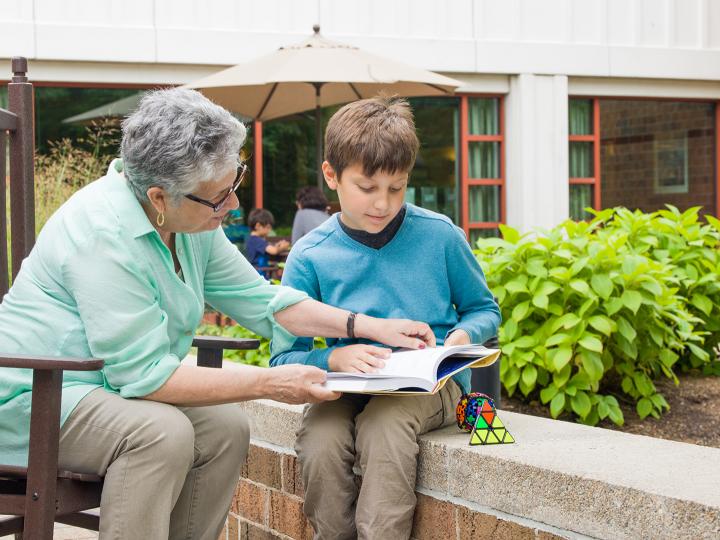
point(651, 153)
point(483, 166)
point(584, 130)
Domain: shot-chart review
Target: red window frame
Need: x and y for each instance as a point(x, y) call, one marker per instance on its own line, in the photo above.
point(465, 181)
point(594, 180)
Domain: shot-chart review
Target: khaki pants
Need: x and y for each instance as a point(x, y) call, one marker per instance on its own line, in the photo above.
point(170, 472)
point(381, 432)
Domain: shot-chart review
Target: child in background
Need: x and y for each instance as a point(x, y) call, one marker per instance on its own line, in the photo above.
point(257, 248)
point(385, 258)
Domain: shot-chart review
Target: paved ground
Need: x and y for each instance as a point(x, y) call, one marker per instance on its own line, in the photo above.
point(66, 532)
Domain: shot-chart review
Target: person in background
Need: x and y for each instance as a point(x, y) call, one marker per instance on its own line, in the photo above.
point(312, 211)
point(257, 248)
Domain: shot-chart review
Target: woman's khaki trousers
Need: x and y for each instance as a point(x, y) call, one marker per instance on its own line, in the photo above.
point(170, 472)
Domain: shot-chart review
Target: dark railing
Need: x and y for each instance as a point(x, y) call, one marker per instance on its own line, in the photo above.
point(16, 127)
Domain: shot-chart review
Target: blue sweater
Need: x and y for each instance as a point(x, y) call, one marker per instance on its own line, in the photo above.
point(427, 272)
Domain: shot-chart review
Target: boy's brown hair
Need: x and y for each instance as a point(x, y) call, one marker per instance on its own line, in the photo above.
point(261, 216)
point(377, 133)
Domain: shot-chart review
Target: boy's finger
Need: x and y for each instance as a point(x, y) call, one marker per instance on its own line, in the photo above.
point(364, 365)
point(380, 352)
point(374, 361)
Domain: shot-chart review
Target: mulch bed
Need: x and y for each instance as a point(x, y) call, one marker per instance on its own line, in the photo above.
point(694, 415)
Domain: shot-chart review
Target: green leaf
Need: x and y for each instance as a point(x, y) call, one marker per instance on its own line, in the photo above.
point(702, 302)
point(591, 343)
point(557, 339)
point(625, 328)
point(519, 311)
point(632, 300)
point(541, 301)
point(557, 405)
point(516, 286)
point(562, 357)
point(601, 324)
point(603, 409)
point(613, 305)
point(562, 376)
point(592, 364)
point(602, 285)
point(547, 393)
point(697, 351)
point(529, 375)
point(616, 415)
point(580, 286)
point(580, 404)
point(644, 407)
point(652, 287)
point(668, 357)
point(586, 305)
point(512, 376)
point(525, 342)
point(510, 328)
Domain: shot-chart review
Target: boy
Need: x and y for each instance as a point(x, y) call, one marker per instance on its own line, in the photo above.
point(386, 258)
point(257, 248)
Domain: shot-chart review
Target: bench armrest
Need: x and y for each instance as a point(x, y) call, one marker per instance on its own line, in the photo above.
point(220, 342)
point(28, 361)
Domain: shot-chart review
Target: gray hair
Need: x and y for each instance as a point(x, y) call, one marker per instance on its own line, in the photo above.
point(177, 138)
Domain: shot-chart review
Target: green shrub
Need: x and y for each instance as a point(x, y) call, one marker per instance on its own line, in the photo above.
point(593, 310)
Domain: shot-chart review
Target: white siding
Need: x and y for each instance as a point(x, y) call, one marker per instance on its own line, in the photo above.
point(604, 38)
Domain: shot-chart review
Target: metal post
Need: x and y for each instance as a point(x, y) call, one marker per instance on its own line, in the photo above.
point(318, 136)
point(258, 162)
point(22, 179)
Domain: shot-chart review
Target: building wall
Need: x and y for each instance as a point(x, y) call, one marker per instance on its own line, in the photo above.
point(678, 39)
point(632, 135)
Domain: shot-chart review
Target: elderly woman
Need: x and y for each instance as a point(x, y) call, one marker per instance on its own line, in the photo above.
point(121, 272)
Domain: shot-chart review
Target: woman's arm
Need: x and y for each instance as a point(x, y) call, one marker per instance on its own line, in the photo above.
point(197, 386)
point(313, 318)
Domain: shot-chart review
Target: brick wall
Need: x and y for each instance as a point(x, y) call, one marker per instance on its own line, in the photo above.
point(630, 134)
point(269, 497)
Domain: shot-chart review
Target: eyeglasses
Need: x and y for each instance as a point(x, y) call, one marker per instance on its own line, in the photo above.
point(241, 170)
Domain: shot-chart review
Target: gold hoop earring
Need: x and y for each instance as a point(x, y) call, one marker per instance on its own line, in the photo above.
point(160, 219)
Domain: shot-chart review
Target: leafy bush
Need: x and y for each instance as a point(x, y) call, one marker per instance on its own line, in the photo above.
point(593, 310)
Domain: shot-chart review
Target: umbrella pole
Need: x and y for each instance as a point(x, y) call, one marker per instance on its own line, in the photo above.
point(318, 136)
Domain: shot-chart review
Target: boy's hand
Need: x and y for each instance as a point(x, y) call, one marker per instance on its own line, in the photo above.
point(395, 332)
point(358, 359)
point(458, 337)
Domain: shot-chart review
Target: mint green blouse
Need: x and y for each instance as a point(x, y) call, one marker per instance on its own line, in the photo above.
point(101, 283)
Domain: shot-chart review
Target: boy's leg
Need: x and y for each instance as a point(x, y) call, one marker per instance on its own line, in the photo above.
point(326, 450)
point(387, 449)
point(145, 451)
point(222, 437)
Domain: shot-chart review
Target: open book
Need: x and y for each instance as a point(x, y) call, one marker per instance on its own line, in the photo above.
point(422, 371)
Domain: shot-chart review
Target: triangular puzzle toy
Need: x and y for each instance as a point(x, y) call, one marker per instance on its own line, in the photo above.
point(477, 412)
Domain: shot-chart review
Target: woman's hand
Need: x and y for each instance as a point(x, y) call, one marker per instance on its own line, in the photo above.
point(395, 332)
point(358, 359)
point(297, 384)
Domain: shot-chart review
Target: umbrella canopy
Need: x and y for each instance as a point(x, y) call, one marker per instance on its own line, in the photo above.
point(313, 74)
point(119, 108)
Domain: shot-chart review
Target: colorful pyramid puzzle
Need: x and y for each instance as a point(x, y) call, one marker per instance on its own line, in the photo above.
point(476, 413)
point(489, 429)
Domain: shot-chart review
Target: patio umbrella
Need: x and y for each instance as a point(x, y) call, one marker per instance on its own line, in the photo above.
point(313, 74)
